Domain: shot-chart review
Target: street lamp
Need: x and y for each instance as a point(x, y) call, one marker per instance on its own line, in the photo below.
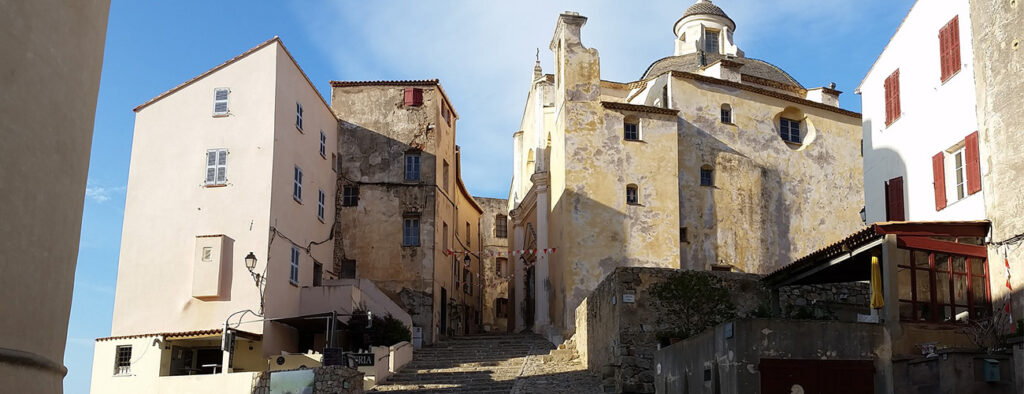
point(250, 261)
point(864, 215)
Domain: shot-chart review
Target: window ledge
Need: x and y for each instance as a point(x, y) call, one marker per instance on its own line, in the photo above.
point(321, 220)
point(297, 200)
point(634, 204)
point(640, 141)
point(323, 155)
point(410, 246)
point(887, 125)
point(293, 283)
point(299, 129)
point(215, 185)
point(223, 115)
point(791, 143)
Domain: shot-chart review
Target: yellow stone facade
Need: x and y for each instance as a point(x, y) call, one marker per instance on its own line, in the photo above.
point(768, 200)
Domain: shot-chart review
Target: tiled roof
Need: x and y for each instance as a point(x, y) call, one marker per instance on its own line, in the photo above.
point(411, 82)
point(704, 7)
point(405, 82)
point(639, 108)
point(832, 250)
point(766, 92)
point(229, 62)
point(180, 334)
point(691, 63)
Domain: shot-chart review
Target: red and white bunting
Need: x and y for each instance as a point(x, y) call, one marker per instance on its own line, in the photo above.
point(1009, 290)
point(500, 253)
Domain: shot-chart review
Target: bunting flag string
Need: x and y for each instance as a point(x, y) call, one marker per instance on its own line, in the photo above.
point(501, 253)
point(1009, 290)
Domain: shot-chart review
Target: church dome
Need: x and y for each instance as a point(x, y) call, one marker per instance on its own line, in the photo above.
point(692, 63)
point(705, 7)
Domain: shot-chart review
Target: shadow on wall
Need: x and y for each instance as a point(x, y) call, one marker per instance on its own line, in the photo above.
point(741, 219)
point(373, 226)
point(880, 166)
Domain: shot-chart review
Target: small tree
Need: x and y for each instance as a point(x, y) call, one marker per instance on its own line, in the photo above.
point(987, 332)
point(694, 301)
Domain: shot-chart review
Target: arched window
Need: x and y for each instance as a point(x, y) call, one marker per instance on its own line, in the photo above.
point(726, 113)
point(631, 128)
point(707, 177)
point(632, 194)
point(530, 163)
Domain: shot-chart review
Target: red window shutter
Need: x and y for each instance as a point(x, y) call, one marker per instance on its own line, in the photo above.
point(954, 45)
point(973, 163)
point(413, 97)
point(944, 52)
point(894, 210)
point(896, 98)
point(939, 174)
point(888, 100)
point(408, 96)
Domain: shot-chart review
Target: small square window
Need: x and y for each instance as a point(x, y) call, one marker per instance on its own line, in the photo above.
point(632, 195)
point(123, 360)
point(216, 167)
point(711, 41)
point(349, 195)
point(631, 131)
point(726, 114)
point(789, 130)
point(707, 176)
point(220, 101)
point(207, 254)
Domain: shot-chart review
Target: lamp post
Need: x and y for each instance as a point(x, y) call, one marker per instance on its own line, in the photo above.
point(226, 337)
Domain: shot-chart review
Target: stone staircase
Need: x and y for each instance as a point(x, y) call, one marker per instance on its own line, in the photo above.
point(473, 364)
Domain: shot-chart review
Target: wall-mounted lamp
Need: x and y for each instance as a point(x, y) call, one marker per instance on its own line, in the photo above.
point(250, 261)
point(864, 215)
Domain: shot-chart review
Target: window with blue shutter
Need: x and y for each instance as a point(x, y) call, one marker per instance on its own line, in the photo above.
point(412, 166)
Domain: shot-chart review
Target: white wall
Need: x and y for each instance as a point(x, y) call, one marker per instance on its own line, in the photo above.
point(935, 115)
point(145, 372)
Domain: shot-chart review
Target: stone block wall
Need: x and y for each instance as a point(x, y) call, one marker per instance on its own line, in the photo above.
point(623, 322)
point(834, 301)
point(328, 380)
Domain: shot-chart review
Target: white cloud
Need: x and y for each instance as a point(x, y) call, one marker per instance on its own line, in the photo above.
point(102, 194)
point(483, 52)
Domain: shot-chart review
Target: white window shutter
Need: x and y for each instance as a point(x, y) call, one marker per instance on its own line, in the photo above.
point(211, 166)
point(220, 101)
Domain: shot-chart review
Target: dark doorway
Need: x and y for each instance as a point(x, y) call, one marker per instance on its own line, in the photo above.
point(528, 302)
point(444, 311)
point(817, 376)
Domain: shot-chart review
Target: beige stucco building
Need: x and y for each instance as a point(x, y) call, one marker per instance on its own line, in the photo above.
point(402, 205)
point(234, 164)
point(44, 160)
point(710, 160)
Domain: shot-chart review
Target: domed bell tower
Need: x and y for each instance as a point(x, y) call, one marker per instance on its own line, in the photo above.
point(705, 27)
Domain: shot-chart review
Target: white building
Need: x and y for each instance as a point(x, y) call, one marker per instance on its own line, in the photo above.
point(237, 161)
point(920, 126)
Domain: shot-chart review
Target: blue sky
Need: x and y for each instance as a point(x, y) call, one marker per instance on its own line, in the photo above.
point(482, 52)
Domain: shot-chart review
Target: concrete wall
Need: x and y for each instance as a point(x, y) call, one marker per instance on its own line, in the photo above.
point(53, 51)
point(954, 372)
point(998, 31)
point(905, 148)
point(733, 351)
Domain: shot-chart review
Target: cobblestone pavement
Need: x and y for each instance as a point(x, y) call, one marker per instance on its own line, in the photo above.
point(490, 364)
